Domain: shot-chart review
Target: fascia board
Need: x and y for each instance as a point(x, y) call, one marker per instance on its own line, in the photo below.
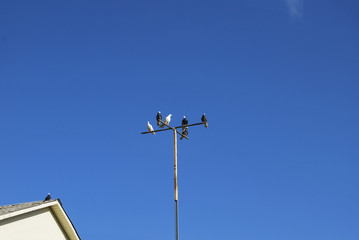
point(59, 212)
point(26, 210)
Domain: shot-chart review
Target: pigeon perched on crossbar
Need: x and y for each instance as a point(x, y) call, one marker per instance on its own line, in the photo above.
point(150, 128)
point(184, 132)
point(158, 118)
point(184, 122)
point(167, 120)
point(204, 120)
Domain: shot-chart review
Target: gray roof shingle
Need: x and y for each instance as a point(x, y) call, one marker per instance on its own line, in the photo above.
point(20, 206)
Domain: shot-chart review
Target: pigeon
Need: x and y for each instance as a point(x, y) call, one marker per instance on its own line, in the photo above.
point(167, 120)
point(184, 123)
point(150, 128)
point(184, 132)
point(158, 118)
point(48, 197)
point(204, 120)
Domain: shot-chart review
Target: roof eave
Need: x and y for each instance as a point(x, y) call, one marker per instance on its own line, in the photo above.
point(57, 209)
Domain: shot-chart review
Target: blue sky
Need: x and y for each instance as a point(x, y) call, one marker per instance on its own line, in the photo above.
point(278, 81)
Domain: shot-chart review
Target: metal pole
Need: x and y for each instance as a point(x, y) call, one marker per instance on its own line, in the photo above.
point(175, 180)
point(175, 132)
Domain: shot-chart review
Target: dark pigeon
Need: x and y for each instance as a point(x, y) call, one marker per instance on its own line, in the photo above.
point(184, 132)
point(204, 120)
point(48, 197)
point(184, 123)
point(158, 118)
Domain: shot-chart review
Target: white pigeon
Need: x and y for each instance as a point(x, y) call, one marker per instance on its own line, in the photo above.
point(150, 128)
point(167, 120)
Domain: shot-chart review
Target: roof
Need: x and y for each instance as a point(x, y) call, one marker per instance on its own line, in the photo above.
point(20, 206)
point(55, 205)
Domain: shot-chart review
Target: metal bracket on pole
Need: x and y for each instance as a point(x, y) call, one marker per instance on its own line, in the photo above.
point(171, 128)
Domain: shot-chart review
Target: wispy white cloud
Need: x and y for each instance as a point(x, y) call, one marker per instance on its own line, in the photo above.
point(295, 8)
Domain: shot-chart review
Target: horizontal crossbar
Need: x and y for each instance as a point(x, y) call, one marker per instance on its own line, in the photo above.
point(171, 128)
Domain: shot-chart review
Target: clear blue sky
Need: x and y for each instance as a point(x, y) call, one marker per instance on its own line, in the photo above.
point(277, 79)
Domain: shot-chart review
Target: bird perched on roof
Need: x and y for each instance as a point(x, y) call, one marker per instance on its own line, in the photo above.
point(158, 118)
point(167, 120)
point(184, 122)
point(150, 128)
point(48, 197)
point(204, 120)
point(184, 132)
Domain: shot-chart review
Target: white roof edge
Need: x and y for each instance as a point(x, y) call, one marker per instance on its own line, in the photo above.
point(26, 210)
point(52, 204)
point(68, 221)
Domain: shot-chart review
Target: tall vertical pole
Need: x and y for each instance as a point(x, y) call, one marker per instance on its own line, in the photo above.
point(175, 180)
